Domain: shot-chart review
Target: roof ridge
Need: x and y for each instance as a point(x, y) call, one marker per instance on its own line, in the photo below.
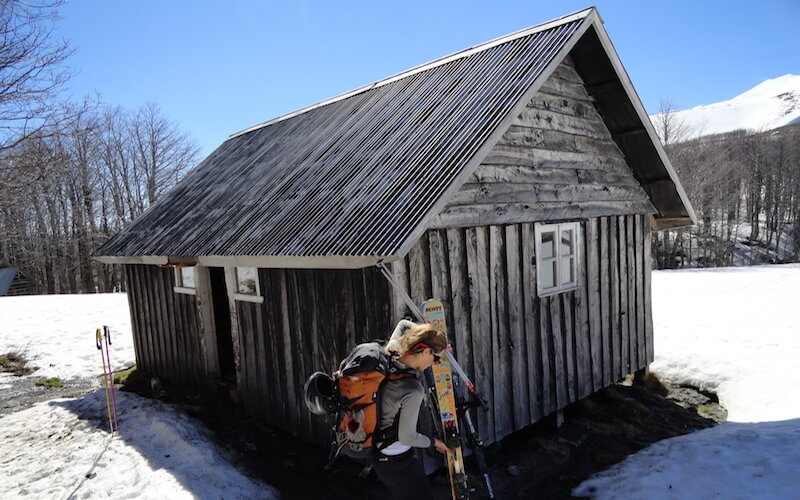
point(583, 13)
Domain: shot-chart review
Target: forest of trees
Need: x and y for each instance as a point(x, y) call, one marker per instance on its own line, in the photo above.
point(66, 192)
point(745, 189)
point(71, 174)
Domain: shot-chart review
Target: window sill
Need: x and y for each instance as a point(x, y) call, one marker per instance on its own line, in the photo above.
point(258, 299)
point(187, 291)
point(556, 291)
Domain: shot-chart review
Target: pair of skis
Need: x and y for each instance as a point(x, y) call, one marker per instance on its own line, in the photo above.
point(102, 342)
point(451, 410)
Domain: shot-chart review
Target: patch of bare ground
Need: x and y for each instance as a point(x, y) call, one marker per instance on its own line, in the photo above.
point(542, 461)
point(17, 394)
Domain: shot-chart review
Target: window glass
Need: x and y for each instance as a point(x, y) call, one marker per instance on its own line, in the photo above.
point(566, 242)
point(187, 277)
point(567, 270)
point(246, 280)
point(548, 244)
point(557, 257)
point(548, 274)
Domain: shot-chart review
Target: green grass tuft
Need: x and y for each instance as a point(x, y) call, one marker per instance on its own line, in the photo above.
point(133, 380)
point(50, 382)
point(121, 377)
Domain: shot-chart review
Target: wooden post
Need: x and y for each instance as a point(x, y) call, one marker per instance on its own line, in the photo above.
point(230, 286)
point(208, 337)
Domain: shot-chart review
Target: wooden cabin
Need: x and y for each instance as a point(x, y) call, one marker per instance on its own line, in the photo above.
point(517, 181)
point(14, 281)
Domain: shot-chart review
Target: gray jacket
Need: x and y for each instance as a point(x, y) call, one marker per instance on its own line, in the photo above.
point(402, 399)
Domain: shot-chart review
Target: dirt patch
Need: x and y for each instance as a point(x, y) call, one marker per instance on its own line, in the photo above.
point(19, 393)
point(598, 432)
point(15, 363)
point(543, 461)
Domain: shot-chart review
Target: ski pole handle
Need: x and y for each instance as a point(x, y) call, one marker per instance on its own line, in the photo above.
point(97, 339)
point(107, 332)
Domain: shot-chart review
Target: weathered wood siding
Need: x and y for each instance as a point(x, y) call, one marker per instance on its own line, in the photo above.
point(530, 355)
point(309, 321)
point(556, 161)
point(166, 329)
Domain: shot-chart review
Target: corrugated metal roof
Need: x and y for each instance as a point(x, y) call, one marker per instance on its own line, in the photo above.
point(353, 176)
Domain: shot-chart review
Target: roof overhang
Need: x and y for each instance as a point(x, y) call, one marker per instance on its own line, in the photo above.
point(261, 261)
point(606, 80)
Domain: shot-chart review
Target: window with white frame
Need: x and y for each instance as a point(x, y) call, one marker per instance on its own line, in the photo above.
point(247, 287)
point(557, 257)
point(184, 279)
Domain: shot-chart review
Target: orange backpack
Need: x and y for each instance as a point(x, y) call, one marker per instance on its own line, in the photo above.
point(359, 381)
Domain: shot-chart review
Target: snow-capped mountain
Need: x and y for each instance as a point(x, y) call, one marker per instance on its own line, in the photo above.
point(770, 104)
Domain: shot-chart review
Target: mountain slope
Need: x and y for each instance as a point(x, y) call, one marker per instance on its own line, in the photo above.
point(770, 104)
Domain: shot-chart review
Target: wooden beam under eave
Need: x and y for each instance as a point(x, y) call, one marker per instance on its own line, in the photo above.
point(663, 224)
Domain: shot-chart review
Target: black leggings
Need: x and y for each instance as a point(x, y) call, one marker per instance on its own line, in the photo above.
point(403, 475)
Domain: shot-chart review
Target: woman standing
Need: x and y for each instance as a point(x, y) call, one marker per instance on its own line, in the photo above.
point(394, 459)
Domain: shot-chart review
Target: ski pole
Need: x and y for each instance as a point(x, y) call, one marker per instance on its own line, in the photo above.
point(99, 344)
point(107, 334)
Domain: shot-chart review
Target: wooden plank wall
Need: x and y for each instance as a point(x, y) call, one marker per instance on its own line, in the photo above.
point(530, 355)
point(166, 330)
point(556, 161)
point(309, 321)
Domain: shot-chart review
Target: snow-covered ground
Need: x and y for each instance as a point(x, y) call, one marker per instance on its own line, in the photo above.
point(57, 332)
point(735, 331)
point(732, 330)
point(62, 448)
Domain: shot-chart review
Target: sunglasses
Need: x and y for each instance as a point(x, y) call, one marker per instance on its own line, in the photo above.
point(421, 347)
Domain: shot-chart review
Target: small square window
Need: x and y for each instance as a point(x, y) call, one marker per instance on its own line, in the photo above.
point(557, 257)
point(187, 277)
point(247, 285)
point(184, 279)
point(247, 280)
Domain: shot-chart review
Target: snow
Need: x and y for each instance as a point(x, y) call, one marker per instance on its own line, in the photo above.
point(62, 448)
point(730, 330)
point(733, 331)
point(57, 332)
point(770, 104)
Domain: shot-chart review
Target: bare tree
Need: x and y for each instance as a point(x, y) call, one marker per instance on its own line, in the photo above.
point(161, 152)
point(670, 127)
point(31, 70)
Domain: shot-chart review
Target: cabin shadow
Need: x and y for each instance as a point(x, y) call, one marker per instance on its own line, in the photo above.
point(540, 461)
point(159, 432)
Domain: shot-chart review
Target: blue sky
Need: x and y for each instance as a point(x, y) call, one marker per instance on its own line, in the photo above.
point(220, 67)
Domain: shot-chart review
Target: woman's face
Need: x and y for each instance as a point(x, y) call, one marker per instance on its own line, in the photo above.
point(426, 359)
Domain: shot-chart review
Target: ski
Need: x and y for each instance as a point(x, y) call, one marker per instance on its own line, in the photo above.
point(433, 312)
